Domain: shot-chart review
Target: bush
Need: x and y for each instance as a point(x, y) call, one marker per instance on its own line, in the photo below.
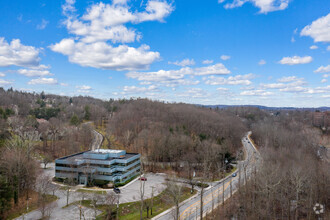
point(100, 183)
point(127, 181)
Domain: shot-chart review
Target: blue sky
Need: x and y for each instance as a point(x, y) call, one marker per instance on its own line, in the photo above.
point(266, 52)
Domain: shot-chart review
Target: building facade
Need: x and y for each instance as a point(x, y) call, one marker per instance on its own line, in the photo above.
point(106, 165)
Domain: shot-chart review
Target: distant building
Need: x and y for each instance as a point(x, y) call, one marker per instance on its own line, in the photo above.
point(115, 166)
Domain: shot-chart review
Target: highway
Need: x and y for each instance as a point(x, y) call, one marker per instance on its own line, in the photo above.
point(213, 196)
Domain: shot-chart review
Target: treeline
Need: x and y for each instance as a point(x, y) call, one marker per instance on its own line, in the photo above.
point(46, 106)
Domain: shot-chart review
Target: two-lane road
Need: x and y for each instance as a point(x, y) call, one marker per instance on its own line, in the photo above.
point(213, 196)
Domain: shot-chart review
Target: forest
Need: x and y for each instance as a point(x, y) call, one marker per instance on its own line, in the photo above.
point(39, 127)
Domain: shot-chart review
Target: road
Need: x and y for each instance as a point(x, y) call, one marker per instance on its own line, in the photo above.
point(97, 140)
point(213, 195)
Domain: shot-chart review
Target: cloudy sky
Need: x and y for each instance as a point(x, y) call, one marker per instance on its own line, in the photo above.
point(267, 52)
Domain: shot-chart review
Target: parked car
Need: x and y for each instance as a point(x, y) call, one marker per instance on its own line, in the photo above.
point(143, 179)
point(234, 174)
point(116, 190)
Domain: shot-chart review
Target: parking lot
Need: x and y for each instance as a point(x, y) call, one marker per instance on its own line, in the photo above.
point(129, 193)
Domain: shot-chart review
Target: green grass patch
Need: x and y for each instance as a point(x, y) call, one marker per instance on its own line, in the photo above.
point(32, 207)
point(101, 192)
point(231, 171)
point(131, 210)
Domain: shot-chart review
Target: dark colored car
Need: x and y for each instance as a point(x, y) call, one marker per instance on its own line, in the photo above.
point(143, 179)
point(116, 190)
point(234, 174)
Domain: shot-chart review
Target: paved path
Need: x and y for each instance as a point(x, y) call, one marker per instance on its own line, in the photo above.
point(213, 196)
point(97, 140)
point(128, 194)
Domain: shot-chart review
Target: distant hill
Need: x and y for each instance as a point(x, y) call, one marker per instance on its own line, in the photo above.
point(323, 108)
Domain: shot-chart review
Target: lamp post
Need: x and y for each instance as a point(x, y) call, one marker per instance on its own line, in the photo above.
point(27, 207)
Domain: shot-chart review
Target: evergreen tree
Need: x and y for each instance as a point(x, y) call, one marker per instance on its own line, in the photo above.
point(87, 113)
point(74, 120)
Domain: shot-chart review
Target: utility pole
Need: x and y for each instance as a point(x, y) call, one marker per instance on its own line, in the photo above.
point(201, 210)
point(239, 175)
point(223, 193)
point(152, 198)
point(231, 190)
point(118, 207)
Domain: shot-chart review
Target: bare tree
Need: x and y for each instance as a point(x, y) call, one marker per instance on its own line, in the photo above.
point(174, 193)
point(110, 202)
point(95, 199)
point(43, 187)
point(46, 159)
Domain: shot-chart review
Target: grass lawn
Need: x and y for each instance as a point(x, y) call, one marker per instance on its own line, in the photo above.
point(32, 206)
point(131, 210)
point(92, 191)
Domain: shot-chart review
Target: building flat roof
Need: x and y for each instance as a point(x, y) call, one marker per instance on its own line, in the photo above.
point(106, 151)
point(79, 156)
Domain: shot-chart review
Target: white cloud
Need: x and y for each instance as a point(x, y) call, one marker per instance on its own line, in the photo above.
point(328, 48)
point(193, 93)
point(68, 8)
point(313, 47)
point(257, 92)
point(207, 61)
point(324, 80)
point(232, 80)
point(84, 89)
point(285, 84)
point(138, 90)
point(289, 79)
point(265, 6)
point(2, 74)
point(262, 62)
point(17, 54)
point(46, 81)
point(326, 75)
point(178, 76)
point(4, 82)
point(273, 85)
point(323, 69)
point(318, 90)
point(42, 25)
point(221, 89)
point(216, 69)
point(104, 56)
point(296, 60)
point(106, 22)
point(224, 57)
point(40, 70)
point(294, 89)
point(185, 62)
point(319, 30)
point(161, 75)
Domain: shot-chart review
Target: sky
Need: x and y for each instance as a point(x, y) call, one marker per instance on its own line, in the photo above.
point(232, 52)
